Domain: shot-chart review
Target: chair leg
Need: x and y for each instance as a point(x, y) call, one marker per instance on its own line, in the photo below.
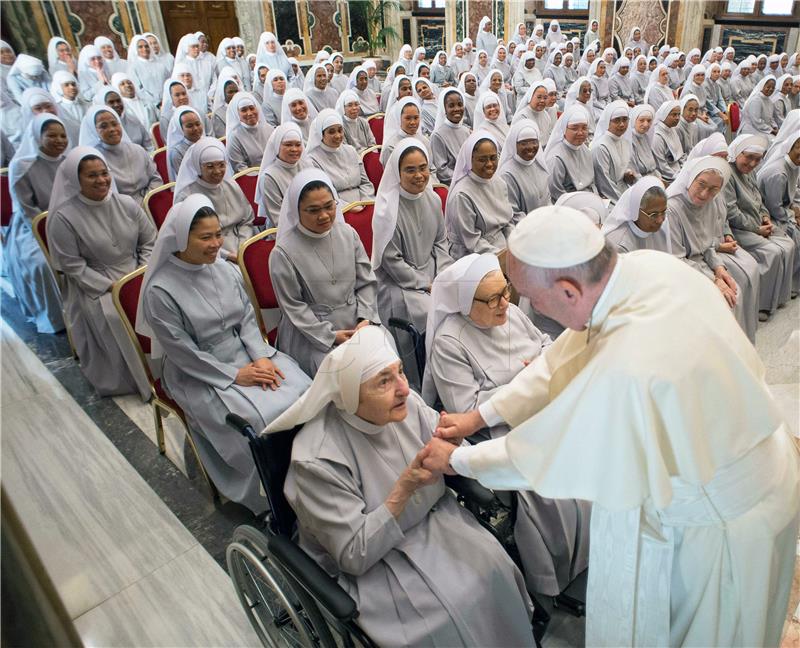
point(211, 486)
point(162, 446)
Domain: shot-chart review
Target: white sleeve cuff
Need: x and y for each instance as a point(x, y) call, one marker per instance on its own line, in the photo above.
point(459, 461)
point(489, 414)
point(489, 463)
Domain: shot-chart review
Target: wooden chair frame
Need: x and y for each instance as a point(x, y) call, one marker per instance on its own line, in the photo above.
point(158, 405)
point(149, 195)
point(248, 282)
point(153, 135)
point(249, 171)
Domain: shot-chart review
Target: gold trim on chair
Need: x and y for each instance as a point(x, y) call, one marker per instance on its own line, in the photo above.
point(248, 283)
point(253, 170)
point(377, 147)
point(149, 195)
point(356, 203)
point(158, 404)
point(375, 116)
point(153, 127)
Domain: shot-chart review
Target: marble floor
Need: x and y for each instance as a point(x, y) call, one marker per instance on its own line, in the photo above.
point(127, 425)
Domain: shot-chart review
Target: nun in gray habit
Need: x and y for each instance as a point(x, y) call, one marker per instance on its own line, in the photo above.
point(246, 137)
point(96, 236)
point(134, 172)
point(328, 151)
point(394, 131)
point(283, 160)
point(522, 168)
point(667, 148)
point(318, 90)
point(421, 569)
point(629, 229)
point(357, 132)
point(321, 274)
point(478, 216)
point(298, 109)
point(611, 154)
point(688, 128)
point(30, 178)
point(570, 164)
point(409, 246)
point(474, 349)
point(778, 259)
point(194, 308)
point(204, 170)
point(642, 158)
point(449, 133)
point(696, 232)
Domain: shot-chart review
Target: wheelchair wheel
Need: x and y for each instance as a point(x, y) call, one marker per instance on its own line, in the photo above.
point(271, 606)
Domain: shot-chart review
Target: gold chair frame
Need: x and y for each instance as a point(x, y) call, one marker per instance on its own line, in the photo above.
point(248, 282)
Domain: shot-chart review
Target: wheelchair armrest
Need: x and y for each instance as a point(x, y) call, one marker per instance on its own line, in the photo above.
point(316, 581)
point(470, 489)
point(241, 425)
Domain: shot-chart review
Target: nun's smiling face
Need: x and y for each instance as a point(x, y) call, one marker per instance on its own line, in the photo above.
point(577, 134)
point(179, 96)
point(747, 162)
point(491, 110)
point(248, 115)
point(527, 148)
point(690, 110)
point(153, 42)
point(191, 126)
point(404, 88)
point(230, 90)
point(143, 48)
point(317, 210)
point(333, 136)
point(618, 126)
point(7, 56)
point(94, 178)
point(424, 91)
point(127, 89)
point(484, 159)
point(108, 128)
point(425, 72)
point(769, 88)
point(70, 90)
point(204, 243)
point(351, 109)
point(409, 119)
point(495, 82)
point(539, 99)
point(414, 171)
point(279, 85)
point(299, 109)
point(290, 150)
point(213, 172)
point(454, 107)
point(361, 81)
point(54, 139)
point(382, 398)
point(652, 213)
point(113, 100)
point(704, 188)
point(320, 78)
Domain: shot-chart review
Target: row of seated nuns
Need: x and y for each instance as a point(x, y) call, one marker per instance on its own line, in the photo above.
point(643, 144)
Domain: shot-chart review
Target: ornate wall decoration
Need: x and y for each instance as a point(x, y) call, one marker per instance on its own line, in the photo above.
point(287, 24)
point(430, 35)
point(649, 15)
point(322, 25)
point(461, 20)
point(477, 10)
point(750, 40)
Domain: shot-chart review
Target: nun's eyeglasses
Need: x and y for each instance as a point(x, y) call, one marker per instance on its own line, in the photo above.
point(655, 216)
point(494, 300)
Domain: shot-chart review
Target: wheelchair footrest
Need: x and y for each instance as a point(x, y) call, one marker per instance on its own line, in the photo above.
point(569, 604)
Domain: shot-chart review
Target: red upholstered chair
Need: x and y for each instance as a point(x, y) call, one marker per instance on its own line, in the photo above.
point(441, 191)
point(158, 202)
point(155, 133)
point(361, 221)
point(6, 208)
point(254, 263)
point(125, 295)
point(160, 158)
point(735, 117)
point(376, 126)
point(247, 179)
point(371, 159)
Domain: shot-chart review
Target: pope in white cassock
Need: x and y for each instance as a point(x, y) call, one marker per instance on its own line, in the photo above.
point(653, 406)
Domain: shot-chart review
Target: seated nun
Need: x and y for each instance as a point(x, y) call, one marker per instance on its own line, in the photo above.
point(449, 133)
point(134, 171)
point(778, 181)
point(478, 216)
point(135, 130)
point(441, 72)
point(319, 92)
point(477, 342)
point(185, 128)
point(396, 70)
point(96, 236)
point(275, 87)
point(641, 135)
point(409, 246)
point(639, 219)
point(173, 97)
point(534, 107)
point(403, 120)
point(226, 90)
point(695, 218)
point(71, 106)
point(426, 98)
point(777, 256)
point(197, 92)
point(494, 83)
point(298, 109)
point(246, 132)
point(135, 104)
point(667, 148)
point(420, 567)
point(283, 160)
point(357, 132)
point(620, 84)
point(522, 168)
point(601, 93)
point(320, 272)
point(568, 157)
point(359, 83)
point(658, 91)
point(758, 111)
point(526, 74)
point(468, 84)
point(782, 99)
point(204, 170)
point(214, 359)
point(580, 92)
point(401, 87)
point(611, 151)
point(30, 182)
point(490, 115)
point(328, 151)
point(688, 128)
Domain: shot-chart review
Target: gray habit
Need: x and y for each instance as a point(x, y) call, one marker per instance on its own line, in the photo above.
point(203, 319)
point(430, 577)
point(642, 158)
point(94, 244)
point(133, 170)
point(629, 238)
point(357, 133)
point(572, 169)
point(467, 366)
point(611, 158)
point(175, 156)
point(445, 145)
point(276, 180)
point(668, 151)
point(323, 284)
point(346, 171)
point(246, 146)
point(778, 182)
point(526, 185)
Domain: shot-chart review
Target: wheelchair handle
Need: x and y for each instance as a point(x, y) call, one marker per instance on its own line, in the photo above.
point(241, 425)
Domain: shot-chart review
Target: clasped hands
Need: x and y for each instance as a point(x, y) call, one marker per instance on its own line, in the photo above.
point(260, 373)
point(451, 430)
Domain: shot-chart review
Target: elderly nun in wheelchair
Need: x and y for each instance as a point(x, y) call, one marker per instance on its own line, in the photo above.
point(421, 569)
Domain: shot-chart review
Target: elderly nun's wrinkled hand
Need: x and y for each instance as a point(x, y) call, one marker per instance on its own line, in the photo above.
point(436, 457)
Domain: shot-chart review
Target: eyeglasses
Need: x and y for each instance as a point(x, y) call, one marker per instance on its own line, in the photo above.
point(655, 216)
point(485, 159)
point(494, 300)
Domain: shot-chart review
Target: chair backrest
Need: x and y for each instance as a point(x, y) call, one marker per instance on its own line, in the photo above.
point(39, 227)
point(441, 191)
point(272, 454)
point(361, 221)
point(376, 126)
point(155, 133)
point(6, 207)
point(371, 159)
point(158, 202)
point(254, 263)
point(247, 179)
point(735, 117)
point(160, 158)
point(125, 295)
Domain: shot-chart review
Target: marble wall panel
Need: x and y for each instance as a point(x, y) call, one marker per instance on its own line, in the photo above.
point(97, 17)
point(477, 9)
point(431, 35)
point(750, 40)
point(322, 25)
point(649, 15)
point(286, 22)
